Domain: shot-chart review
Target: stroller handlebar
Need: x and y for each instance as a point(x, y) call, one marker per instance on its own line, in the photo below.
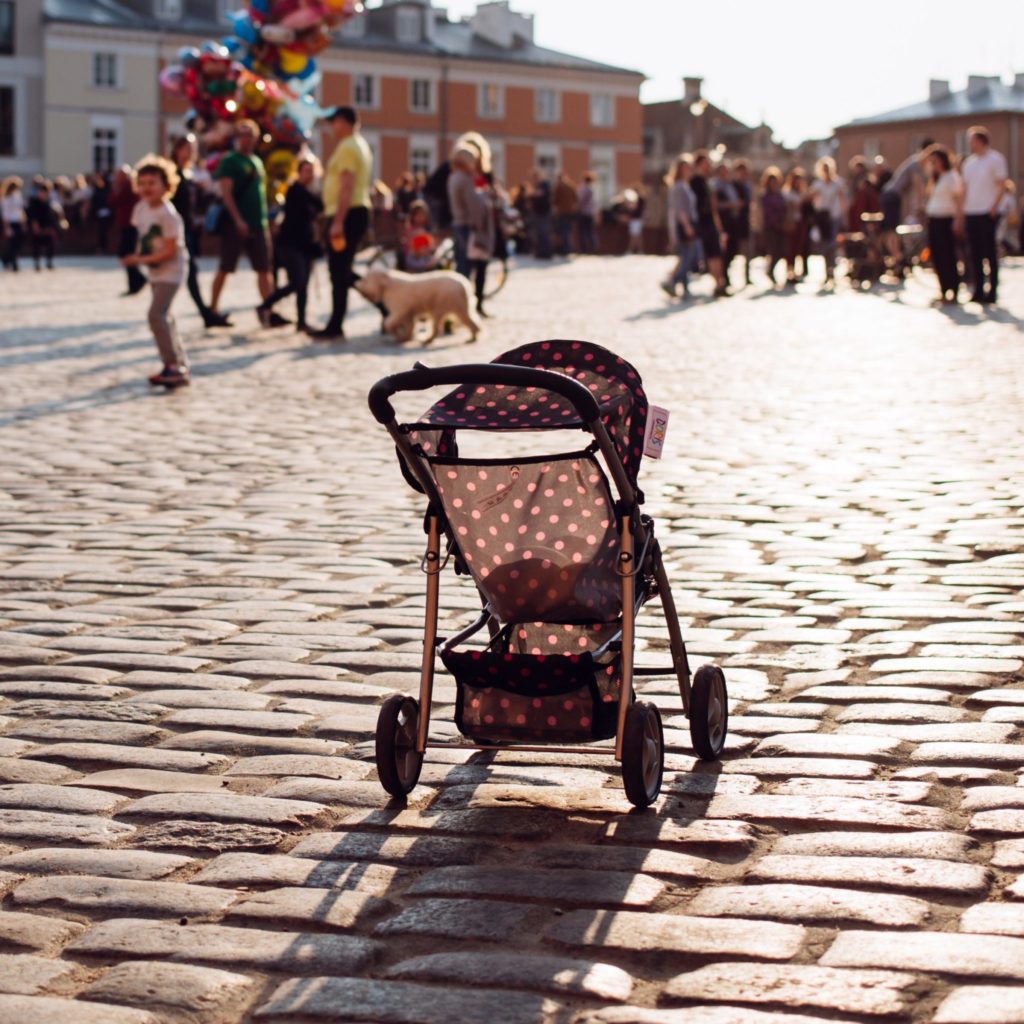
point(423, 378)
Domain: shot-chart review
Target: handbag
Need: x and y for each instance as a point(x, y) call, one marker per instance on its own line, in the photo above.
point(213, 222)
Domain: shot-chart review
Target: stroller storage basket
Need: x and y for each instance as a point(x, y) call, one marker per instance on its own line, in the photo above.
point(526, 697)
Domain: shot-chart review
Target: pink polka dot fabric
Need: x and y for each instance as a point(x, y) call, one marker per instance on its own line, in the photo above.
point(614, 383)
point(538, 536)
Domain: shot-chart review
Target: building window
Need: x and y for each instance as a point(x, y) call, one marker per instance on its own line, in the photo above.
point(546, 110)
point(421, 96)
point(547, 164)
point(364, 91)
point(490, 100)
point(421, 159)
point(354, 28)
point(872, 148)
point(225, 8)
point(104, 149)
point(7, 27)
point(407, 25)
point(167, 10)
point(6, 120)
point(602, 166)
point(104, 70)
point(602, 110)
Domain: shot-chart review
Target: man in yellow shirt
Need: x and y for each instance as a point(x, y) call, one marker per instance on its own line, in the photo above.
point(346, 196)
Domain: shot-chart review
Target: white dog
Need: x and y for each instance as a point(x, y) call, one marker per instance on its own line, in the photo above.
point(408, 298)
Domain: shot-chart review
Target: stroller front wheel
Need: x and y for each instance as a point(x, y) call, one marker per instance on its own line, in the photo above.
point(709, 712)
point(643, 754)
point(398, 762)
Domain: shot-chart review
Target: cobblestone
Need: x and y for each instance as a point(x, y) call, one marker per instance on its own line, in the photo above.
point(869, 992)
point(173, 991)
point(811, 904)
point(207, 595)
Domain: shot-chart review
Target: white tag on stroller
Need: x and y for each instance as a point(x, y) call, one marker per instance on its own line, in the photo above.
point(654, 435)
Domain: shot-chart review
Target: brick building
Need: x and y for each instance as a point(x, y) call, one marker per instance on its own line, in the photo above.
point(945, 117)
point(692, 122)
point(418, 78)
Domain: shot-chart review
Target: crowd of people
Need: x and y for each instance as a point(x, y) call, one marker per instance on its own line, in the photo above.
point(719, 220)
point(959, 212)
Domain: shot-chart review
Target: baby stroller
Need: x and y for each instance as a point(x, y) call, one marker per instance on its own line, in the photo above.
point(864, 250)
point(562, 569)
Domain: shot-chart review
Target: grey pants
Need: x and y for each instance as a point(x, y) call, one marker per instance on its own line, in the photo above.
point(162, 324)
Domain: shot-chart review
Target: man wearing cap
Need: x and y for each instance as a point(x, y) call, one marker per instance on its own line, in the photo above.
point(346, 196)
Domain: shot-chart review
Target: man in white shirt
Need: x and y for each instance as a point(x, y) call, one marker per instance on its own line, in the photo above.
point(984, 173)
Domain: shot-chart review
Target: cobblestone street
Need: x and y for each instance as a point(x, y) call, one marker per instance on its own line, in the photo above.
point(206, 595)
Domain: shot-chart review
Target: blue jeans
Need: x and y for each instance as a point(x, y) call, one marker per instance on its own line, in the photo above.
point(460, 235)
point(542, 236)
point(585, 226)
point(688, 253)
point(563, 225)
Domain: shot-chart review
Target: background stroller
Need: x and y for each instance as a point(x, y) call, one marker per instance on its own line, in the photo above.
point(561, 567)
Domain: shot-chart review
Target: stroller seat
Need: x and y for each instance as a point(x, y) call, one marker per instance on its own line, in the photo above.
point(562, 566)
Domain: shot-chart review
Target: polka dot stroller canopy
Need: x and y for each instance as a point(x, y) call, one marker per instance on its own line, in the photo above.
point(614, 383)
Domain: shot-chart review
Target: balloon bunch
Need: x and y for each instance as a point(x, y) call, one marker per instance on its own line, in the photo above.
point(281, 37)
point(264, 71)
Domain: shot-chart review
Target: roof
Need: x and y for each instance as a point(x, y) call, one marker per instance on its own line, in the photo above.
point(988, 96)
point(455, 40)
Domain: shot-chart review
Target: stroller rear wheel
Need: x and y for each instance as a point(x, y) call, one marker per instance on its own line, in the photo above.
point(709, 712)
point(398, 763)
point(643, 753)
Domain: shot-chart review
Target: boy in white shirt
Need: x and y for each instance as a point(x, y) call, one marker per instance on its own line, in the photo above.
point(984, 174)
point(161, 249)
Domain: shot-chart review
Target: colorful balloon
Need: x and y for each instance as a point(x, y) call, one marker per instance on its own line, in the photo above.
point(172, 79)
point(278, 35)
point(292, 63)
point(244, 27)
point(188, 56)
point(211, 48)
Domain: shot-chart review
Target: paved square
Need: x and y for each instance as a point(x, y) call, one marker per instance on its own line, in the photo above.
point(206, 594)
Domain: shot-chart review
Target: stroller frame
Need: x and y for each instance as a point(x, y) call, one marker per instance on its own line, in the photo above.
point(403, 724)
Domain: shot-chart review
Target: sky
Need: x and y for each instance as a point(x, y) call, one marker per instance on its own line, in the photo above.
point(802, 68)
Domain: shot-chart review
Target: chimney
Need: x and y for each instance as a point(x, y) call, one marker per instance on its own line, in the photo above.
point(500, 25)
point(938, 89)
point(691, 89)
point(1018, 81)
point(978, 84)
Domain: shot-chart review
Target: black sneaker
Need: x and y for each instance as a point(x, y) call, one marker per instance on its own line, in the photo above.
point(276, 320)
point(211, 319)
point(264, 316)
point(328, 334)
